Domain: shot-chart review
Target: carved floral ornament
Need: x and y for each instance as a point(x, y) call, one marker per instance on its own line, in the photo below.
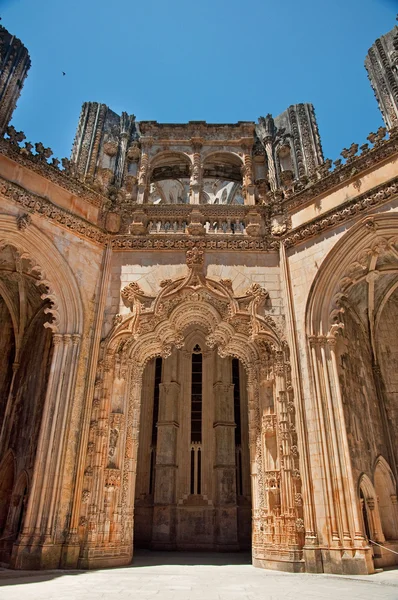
point(237, 325)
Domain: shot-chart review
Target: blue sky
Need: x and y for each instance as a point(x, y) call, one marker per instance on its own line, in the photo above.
point(215, 60)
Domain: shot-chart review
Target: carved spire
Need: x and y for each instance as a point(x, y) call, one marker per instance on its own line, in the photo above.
point(382, 65)
point(15, 64)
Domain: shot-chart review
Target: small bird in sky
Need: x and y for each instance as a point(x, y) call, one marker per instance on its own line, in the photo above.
point(63, 73)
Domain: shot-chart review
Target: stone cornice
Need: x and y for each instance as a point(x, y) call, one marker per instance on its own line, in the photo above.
point(350, 170)
point(343, 213)
point(208, 132)
point(48, 171)
point(186, 242)
point(34, 204)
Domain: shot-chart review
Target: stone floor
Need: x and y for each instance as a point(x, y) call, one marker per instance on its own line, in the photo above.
point(193, 576)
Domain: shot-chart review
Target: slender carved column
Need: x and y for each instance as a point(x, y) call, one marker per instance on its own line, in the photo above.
point(288, 524)
point(71, 369)
point(72, 545)
point(164, 517)
point(39, 520)
point(271, 164)
point(196, 175)
point(130, 464)
point(349, 488)
point(341, 507)
point(31, 519)
point(247, 171)
point(332, 536)
point(347, 552)
point(259, 505)
point(375, 525)
point(311, 548)
point(143, 174)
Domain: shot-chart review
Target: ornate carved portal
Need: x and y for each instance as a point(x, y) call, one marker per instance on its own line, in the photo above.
point(235, 327)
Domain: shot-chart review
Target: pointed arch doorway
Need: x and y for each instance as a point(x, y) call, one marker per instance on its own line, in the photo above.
point(193, 489)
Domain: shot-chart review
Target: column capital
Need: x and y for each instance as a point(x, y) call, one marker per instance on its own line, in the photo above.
point(57, 338)
point(76, 337)
point(67, 339)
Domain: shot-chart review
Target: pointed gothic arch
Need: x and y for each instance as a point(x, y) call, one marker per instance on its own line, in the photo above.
point(386, 490)
point(53, 271)
point(45, 389)
point(343, 309)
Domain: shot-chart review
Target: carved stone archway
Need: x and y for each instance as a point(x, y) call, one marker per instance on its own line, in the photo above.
point(37, 258)
point(344, 308)
point(237, 327)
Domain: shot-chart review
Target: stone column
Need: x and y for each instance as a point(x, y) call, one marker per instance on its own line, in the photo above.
point(39, 526)
point(71, 369)
point(361, 554)
point(347, 551)
point(322, 462)
point(143, 175)
point(196, 175)
point(312, 554)
point(271, 164)
point(164, 512)
point(247, 171)
point(72, 546)
point(224, 460)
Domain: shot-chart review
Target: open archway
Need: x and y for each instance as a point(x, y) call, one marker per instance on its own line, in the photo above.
point(42, 319)
point(345, 331)
point(193, 475)
point(202, 318)
point(386, 490)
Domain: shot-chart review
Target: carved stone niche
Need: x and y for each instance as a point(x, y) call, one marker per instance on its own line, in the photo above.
point(269, 425)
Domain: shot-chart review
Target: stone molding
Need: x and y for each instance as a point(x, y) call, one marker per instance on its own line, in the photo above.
point(345, 212)
point(35, 204)
point(184, 242)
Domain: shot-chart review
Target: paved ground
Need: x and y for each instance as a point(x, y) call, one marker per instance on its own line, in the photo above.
point(200, 577)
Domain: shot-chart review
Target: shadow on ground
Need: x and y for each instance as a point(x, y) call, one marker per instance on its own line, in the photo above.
point(13, 577)
point(142, 558)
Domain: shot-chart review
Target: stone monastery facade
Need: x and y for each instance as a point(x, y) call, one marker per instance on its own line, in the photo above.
point(199, 344)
